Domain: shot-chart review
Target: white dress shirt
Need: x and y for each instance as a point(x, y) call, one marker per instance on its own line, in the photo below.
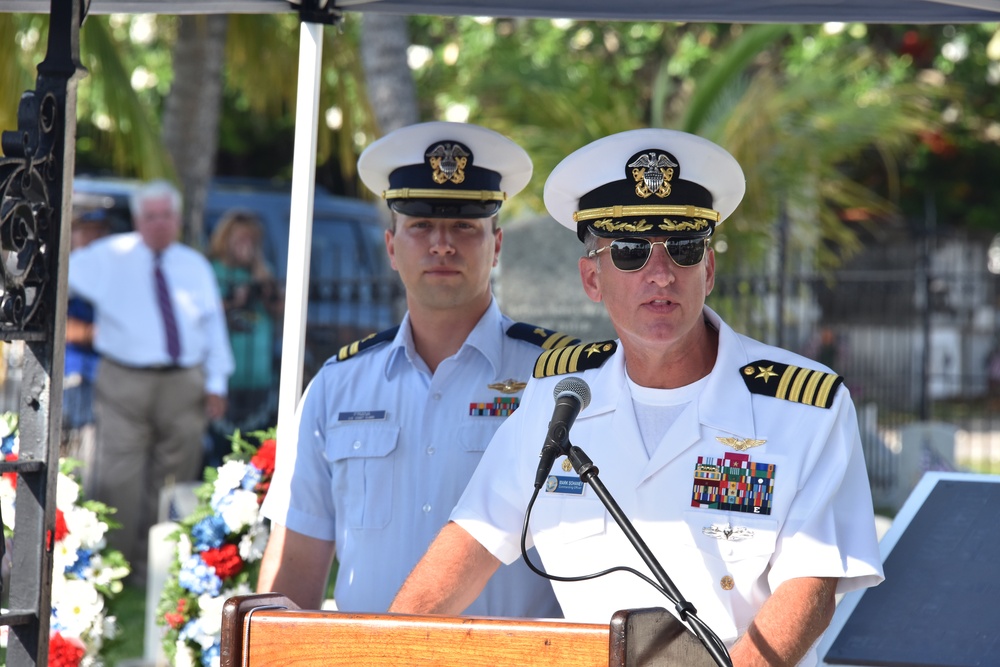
point(116, 275)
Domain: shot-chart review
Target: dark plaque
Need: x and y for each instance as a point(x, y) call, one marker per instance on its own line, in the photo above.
point(940, 601)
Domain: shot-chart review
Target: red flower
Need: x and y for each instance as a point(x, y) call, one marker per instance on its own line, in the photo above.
point(61, 529)
point(174, 620)
point(64, 652)
point(226, 560)
point(11, 476)
point(263, 460)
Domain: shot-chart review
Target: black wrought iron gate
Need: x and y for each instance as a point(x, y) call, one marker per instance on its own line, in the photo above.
point(36, 173)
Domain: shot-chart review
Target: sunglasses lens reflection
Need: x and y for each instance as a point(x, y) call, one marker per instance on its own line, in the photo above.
point(686, 252)
point(632, 254)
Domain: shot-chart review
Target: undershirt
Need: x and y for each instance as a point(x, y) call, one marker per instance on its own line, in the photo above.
point(656, 410)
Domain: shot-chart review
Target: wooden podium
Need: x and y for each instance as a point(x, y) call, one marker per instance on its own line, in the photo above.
point(269, 629)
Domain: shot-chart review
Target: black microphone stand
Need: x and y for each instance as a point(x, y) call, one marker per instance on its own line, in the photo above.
point(588, 472)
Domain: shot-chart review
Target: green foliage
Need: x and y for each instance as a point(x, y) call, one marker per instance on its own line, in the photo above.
point(865, 119)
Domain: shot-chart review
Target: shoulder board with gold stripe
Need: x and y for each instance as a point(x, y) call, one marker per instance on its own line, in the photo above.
point(371, 340)
point(791, 383)
point(546, 339)
point(574, 358)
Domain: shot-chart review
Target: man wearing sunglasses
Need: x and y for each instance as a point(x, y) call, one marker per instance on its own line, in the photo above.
point(392, 428)
point(738, 463)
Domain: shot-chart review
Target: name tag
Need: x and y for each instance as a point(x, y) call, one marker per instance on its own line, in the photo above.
point(360, 416)
point(559, 484)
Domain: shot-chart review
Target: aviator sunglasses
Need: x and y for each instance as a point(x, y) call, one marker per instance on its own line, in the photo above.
point(631, 254)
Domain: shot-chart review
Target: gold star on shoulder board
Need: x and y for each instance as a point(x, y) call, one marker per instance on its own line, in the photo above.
point(740, 444)
point(508, 386)
point(766, 373)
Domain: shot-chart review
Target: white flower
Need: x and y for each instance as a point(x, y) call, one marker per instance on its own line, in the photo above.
point(65, 553)
point(87, 528)
point(77, 607)
point(67, 492)
point(239, 510)
point(210, 613)
point(104, 575)
point(7, 496)
point(231, 475)
point(110, 629)
point(183, 547)
point(184, 657)
point(252, 544)
point(195, 631)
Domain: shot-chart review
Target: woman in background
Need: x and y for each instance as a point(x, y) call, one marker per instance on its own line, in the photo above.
point(254, 302)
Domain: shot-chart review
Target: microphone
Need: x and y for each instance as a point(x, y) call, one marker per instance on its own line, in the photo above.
point(572, 395)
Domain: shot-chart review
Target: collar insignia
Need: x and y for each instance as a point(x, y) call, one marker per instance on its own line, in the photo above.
point(653, 172)
point(728, 532)
point(566, 465)
point(508, 386)
point(740, 444)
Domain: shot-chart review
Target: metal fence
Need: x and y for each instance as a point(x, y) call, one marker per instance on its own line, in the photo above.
point(914, 331)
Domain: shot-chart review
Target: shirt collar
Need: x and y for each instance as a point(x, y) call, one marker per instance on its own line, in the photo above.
point(486, 338)
point(723, 404)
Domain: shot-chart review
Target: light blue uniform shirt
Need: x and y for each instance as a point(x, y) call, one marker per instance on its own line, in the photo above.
point(384, 451)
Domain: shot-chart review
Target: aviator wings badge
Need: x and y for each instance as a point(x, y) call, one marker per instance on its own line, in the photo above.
point(510, 386)
point(740, 444)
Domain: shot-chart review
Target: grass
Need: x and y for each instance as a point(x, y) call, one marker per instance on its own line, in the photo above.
point(129, 608)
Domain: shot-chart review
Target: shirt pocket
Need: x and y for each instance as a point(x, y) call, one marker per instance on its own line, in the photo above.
point(362, 460)
point(733, 538)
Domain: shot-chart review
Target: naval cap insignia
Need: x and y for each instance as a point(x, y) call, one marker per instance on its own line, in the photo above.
point(448, 161)
point(653, 172)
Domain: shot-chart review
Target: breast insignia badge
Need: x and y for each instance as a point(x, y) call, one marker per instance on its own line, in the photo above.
point(728, 532)
point(508, 386)
point(740, 444)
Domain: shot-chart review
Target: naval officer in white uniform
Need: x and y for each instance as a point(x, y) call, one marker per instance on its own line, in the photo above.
point(739, 463)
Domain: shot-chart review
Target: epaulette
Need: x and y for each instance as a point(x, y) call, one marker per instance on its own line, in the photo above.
point(574, 358)
point(368, 341)
point(791, 383)
point(546, 339)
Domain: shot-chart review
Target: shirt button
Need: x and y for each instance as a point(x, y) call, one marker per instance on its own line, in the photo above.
point(436, 396)
point(430, 451)
point(727, 583)
point(357, 444)
point(427, 508)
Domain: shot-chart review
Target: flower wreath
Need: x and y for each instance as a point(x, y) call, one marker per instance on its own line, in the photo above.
point(86, 574)
point(218, 552)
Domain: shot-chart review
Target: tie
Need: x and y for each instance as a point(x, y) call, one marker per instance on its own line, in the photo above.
point(167, 311)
